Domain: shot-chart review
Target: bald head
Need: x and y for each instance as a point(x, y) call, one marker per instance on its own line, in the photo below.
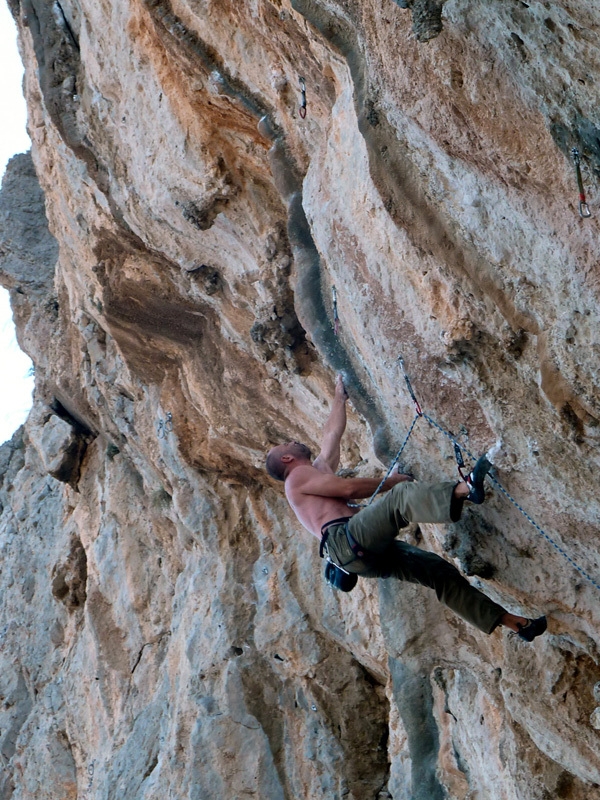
point(282, 457)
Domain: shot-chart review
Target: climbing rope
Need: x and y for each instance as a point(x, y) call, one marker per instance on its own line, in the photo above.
point(584, 210)
point(543, 533)
point(396, 459)
point(460, 462)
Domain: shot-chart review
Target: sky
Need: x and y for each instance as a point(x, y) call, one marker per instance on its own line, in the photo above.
point(15, 366)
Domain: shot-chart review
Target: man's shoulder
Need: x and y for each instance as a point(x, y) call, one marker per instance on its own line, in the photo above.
point(300, 474)
point(301, 479)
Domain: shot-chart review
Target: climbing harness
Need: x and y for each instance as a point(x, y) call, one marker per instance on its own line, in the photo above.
point(584, 210)
point(302, 109)
point(336, 319)
point(460, 462)
point(337, 576)
point(165, 426)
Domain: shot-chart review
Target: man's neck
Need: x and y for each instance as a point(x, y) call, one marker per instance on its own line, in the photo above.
point(294, 465)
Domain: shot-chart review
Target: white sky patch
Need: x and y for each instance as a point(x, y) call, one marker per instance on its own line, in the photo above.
point(15, 378)
point(15, 369)
point(13, 136)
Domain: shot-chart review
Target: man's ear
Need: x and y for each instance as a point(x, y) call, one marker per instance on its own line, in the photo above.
point(286, 458)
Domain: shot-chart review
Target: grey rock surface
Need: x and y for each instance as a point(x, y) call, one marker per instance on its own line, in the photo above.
point(165, 630)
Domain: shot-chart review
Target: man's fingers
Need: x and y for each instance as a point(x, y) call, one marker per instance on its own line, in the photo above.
point(403, 477)
point(339, 384)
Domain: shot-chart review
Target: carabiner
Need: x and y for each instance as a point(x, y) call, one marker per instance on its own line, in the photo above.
point(460, 462)
point(584, 211)
point(411, 392)
point(336, 319)
point(302, 109)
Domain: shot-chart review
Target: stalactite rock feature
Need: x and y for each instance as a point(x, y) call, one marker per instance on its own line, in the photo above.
point(171, 244)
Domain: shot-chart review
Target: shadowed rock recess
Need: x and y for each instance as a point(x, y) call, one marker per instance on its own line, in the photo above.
point(171, 245)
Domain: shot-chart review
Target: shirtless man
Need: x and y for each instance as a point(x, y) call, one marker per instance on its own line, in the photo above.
point(363, 541)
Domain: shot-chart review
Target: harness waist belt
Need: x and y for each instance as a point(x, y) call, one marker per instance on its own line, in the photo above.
point(338, 521)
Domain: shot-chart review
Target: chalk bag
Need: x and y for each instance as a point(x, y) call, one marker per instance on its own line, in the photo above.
point(339, 579)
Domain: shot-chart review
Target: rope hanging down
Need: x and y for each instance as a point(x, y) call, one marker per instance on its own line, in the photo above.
point(460, 462)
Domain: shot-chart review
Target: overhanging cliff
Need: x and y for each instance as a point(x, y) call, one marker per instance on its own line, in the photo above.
point(165, 630)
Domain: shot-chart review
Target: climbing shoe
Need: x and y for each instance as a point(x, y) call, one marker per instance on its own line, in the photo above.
point(476, 479)
point(534, 627)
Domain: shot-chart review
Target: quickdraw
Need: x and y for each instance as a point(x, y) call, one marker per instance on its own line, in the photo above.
point(460, 462)
point(409, 387)
point(302, 109)
point(165, 426)
point(584, 210)
point(336, 319)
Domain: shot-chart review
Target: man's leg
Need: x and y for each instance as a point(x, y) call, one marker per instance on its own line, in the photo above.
point(408, 563)
point(376, 526)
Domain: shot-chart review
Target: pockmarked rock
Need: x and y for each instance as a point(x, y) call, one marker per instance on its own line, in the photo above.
point(224, 205)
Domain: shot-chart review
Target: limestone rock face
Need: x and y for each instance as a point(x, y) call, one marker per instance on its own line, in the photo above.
point(165, 630)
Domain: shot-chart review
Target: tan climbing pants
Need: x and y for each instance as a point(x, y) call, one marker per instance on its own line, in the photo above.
point(375, 529)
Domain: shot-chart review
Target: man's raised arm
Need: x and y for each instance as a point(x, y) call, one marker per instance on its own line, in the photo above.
point(329, 457)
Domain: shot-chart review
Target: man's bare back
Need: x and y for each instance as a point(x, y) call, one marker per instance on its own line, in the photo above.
point(313, 510)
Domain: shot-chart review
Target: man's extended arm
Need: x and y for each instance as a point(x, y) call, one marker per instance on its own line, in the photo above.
point(304, 480)
point(329, 457)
